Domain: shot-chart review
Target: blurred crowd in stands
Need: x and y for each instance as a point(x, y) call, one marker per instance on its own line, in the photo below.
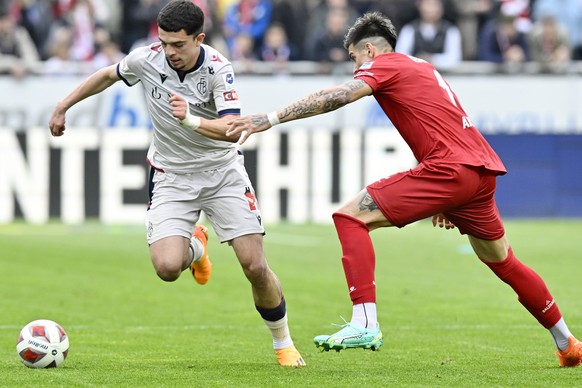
point(61, 37)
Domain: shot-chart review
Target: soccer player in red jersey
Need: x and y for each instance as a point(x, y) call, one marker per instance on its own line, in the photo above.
point(454, 182)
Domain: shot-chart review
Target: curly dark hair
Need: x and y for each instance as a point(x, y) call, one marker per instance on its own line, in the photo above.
point(180, 15)
point(371, 24)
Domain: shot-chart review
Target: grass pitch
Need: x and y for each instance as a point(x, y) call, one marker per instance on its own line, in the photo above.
point(447, 320)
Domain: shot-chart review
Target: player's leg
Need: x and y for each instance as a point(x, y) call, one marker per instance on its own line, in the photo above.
point(480, 220)
point(169, 256)
point(173, 254)
point(532, 293)
point(232, 208)
point(170, 220)
point(267, 295)
point(394, 201)
point(353, 222)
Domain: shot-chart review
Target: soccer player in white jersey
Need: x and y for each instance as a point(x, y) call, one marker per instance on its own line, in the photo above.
point(190, 92)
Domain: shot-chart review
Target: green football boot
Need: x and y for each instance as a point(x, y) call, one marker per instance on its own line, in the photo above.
point(350, 336)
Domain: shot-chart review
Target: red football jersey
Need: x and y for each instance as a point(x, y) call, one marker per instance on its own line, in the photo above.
point(426, 112)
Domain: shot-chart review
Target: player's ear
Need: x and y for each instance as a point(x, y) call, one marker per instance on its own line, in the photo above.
point(200, 37)
point(369, 49)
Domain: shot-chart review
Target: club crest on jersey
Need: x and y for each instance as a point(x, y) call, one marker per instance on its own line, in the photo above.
point(201, 86)
point(251, 198)
point(230, 96)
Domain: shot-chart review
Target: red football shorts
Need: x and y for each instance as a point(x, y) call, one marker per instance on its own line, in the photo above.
point(464, 194)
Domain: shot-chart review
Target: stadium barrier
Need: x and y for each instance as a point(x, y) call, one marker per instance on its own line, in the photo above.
point(301, 171)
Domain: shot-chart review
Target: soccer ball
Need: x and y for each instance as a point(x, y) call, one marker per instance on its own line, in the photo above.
point(42, 344)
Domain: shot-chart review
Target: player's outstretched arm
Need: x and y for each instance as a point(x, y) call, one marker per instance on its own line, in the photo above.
point(323, 101)
point(95, 83)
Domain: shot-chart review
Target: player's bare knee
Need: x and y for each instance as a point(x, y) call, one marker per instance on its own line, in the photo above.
point(166, 270)
point(257, 272)
point(167, 276)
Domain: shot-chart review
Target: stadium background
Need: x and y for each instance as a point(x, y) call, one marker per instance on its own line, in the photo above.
point(301, 171)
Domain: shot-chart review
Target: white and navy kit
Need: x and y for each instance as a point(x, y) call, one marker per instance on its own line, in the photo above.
point(191, 172)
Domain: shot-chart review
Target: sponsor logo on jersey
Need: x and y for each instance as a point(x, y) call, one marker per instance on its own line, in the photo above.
point(157, 48)
point(230, 96)
point(228, 78)
point(163, 77)
point(215, 58)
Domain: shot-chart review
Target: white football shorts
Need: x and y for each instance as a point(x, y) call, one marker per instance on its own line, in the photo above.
point(225, 195)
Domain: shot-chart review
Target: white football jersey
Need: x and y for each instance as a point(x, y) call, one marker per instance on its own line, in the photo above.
point(210, 91)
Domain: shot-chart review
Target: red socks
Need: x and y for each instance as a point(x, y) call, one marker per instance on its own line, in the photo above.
point(358, 258)
point(531, 290)
point(359, 262)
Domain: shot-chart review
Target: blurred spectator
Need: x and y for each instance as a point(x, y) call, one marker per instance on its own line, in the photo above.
point(276, 46)
point(140, 22)
point(431, 38)
point(501, 42)
point(291, 15)
point(328, 42)
point(107, 52)
point(520, 9)
point(471, 16)
point(212, 25)
point(108, 15)
point(80, 17)
point(569, 14)
point(408, 11)
point(251, 17)
point(549, 44)
point(37, 16)
point(243, 52)
point(318, 17)
point(59, 49)
point(396, 10)
point(18, 53)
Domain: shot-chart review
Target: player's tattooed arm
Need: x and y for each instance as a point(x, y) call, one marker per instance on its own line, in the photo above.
point(259, 120)
point(326, 100)
point(316, 103)
point(367, 203)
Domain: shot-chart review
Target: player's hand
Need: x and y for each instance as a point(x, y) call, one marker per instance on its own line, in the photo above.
point(442, 221)
point(179, 106)
point(57, 122)
point(246, 126)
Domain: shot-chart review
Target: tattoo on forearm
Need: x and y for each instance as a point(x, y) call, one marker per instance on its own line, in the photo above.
point(355, 84)
point(367, 203)
point(259, 121)
point(322, 101)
